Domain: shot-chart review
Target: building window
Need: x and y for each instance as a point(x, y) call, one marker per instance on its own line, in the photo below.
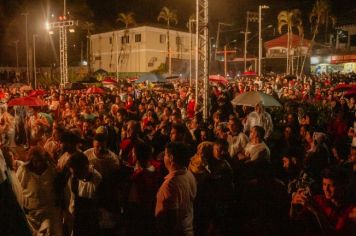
point(137, 38)
point(110, 40)
point(162, 38)
point(97, 58)
point(125, 39)
point(178, 41)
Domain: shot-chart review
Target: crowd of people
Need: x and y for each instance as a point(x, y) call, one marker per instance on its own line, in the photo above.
point(135, 161)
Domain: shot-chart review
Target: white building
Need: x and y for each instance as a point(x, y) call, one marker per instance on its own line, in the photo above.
point(140, 49)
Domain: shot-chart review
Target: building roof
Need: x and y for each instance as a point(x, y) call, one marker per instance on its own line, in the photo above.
point(282, 41)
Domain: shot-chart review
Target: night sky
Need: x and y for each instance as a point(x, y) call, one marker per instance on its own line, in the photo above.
point(103, 14)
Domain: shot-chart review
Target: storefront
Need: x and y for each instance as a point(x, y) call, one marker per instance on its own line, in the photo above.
point(333, 64)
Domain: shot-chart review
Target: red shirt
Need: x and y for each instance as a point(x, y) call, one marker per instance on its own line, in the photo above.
point(337, 216)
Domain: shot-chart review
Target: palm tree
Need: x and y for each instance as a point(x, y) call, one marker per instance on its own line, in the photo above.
point(320, 15)
point(169, 17)
point(128, 19)
point(290, 19)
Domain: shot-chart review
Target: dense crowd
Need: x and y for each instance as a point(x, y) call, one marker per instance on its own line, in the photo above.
point(142, 161)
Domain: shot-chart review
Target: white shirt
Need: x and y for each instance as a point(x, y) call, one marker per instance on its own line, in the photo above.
point(237, 143)
point(86, 189)
point(257, 151)
point(103, 165)
point(178, 192)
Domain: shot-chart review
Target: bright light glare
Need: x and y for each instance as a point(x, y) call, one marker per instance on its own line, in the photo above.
point(50, 32)
point(71, 30)
point(47, 26)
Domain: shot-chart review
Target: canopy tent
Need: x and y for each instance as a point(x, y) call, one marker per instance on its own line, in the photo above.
point(282, 41)
point(150, 77)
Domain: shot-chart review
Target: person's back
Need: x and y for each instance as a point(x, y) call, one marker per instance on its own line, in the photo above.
point(174, 207)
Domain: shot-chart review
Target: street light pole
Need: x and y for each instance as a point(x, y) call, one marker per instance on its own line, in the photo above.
point(17, 56)
point(34, 60)
point(260, 7)
point(27, 55)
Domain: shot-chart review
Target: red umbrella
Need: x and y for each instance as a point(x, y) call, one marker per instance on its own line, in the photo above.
point(38, 92)
point(2, 95)
point(350, 92)
point(218, 79)
point(342, 87)
point(249, 73)
point(95, 90)
point(109, 80)
point(27, 101)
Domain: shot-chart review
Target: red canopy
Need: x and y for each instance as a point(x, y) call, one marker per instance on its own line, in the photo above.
point(109, 80)
point(249, 73)
point(38, 92)
point(342, 87)
point(27, 101)
point(218, 79)
point(95, 90)
point(282, 41)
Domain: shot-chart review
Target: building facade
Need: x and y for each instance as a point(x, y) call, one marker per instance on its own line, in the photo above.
point(141, 49)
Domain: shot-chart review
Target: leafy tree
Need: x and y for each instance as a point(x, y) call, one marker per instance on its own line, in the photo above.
point(290, 19)
point(320, 15)
point(170, 17)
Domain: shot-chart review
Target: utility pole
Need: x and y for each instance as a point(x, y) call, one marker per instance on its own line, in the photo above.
point(17, 56)
point(27, 55)
point(250, 17)
point(190, 50)
point(34, 60)
point(218, 37)
point(260, 7)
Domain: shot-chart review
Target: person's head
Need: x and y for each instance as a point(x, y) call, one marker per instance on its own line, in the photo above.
point(99, 144)
point(220, 149)
point(334, 182)
point(257, 134)
point(287, 132)
point(259, 108)
point(235, 125)
point(176, 156)
point(86, 126)
point(78, 165)
point(142, 153)
point(68, 141)
point(133, 129)
point(177, 133)
point(38, 159)
point(352, 156)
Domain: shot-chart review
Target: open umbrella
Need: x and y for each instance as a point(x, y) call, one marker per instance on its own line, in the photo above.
point(150, 77)
point(38, 92)
point(2, 95)
point(26, 88)
point(27, 101)
point(109, 80)
point(350, 93)
point(95, 90)
point(218, 79)
point(249, 73)
point(342, 87)
point(253, 98)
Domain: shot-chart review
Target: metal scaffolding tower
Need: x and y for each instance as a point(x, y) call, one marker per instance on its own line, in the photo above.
point(62, 25)
point(202, 53)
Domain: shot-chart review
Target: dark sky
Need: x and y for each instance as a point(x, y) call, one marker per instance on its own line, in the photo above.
point(104, 13)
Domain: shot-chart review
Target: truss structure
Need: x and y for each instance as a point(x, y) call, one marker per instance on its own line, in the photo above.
point(62, 26)
point(202, 53)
